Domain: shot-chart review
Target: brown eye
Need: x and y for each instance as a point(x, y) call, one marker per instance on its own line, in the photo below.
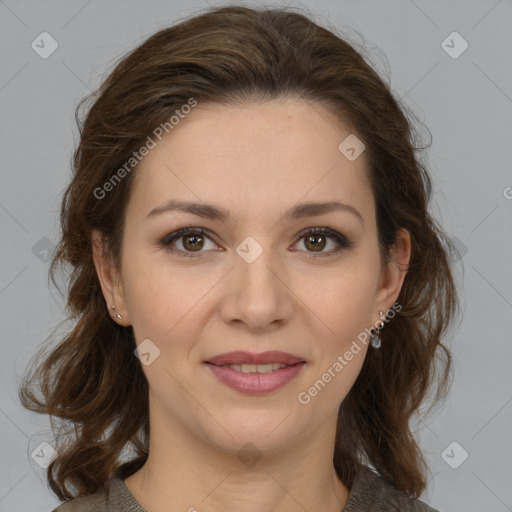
point(193, 242)
point(315, 242)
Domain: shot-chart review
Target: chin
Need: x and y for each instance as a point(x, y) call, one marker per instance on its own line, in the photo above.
point(266, 433)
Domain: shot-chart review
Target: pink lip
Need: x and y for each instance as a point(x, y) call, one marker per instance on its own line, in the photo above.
point(240, 357)
point(255, 383)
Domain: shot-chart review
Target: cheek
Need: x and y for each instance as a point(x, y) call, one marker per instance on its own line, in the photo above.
point(161, 297)
point(343, 298)
point(345, 309)
point(148, 294)
point(164, 302)
point(346, 315)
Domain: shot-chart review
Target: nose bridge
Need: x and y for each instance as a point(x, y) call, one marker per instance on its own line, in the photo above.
point(259, 297)
point(256, 261)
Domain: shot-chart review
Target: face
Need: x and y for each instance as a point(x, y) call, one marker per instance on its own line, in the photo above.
point(259, 279)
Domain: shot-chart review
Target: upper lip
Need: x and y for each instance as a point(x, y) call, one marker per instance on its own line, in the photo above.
point(240, 357)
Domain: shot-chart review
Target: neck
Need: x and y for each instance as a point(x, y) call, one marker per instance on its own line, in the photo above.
point(185, 473)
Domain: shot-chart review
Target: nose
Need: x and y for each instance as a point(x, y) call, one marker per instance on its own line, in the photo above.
point(258, 292)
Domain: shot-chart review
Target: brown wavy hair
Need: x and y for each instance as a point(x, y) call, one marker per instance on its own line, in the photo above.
point(229, 55)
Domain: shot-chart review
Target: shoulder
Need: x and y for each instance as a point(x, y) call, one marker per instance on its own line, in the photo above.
point(114, 497)
point(95, 502)
point(371, 493)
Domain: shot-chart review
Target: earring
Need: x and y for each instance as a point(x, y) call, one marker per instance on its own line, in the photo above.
point(117, 314)
point(375, 339)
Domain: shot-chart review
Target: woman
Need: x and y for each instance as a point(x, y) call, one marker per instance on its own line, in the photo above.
point(260, 293)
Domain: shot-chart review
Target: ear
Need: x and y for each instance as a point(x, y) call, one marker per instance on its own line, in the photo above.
point(393, 274)
point(110, 280)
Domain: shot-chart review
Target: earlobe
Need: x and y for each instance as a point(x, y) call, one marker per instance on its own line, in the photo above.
point(109, 279)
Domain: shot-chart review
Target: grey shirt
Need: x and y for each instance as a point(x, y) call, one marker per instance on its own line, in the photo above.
point(369, 493)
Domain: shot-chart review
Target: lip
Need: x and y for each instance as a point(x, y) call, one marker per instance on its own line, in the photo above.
point(241, 357)
point(255, 383)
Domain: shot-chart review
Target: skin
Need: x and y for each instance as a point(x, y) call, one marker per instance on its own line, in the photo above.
point(256, 160)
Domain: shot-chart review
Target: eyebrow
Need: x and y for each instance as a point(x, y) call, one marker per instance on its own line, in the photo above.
point(209, 211)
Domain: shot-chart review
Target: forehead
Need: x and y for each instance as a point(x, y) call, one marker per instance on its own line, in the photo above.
point(252, 157)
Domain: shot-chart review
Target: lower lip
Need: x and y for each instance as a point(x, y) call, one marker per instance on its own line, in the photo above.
point(255, 383)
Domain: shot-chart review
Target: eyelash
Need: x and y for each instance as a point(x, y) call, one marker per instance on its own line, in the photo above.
point(343, 242)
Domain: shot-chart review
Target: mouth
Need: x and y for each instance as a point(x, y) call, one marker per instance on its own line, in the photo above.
point(248, 359)
point(255, 374)
point(256, 368)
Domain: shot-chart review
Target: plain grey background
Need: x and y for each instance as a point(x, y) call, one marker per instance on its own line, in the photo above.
point(465, 99)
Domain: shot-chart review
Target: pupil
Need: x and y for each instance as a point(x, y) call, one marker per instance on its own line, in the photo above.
point(194, 245)
point(317, 245)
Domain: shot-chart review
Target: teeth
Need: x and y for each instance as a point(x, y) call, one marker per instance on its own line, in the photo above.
point(256, 368)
